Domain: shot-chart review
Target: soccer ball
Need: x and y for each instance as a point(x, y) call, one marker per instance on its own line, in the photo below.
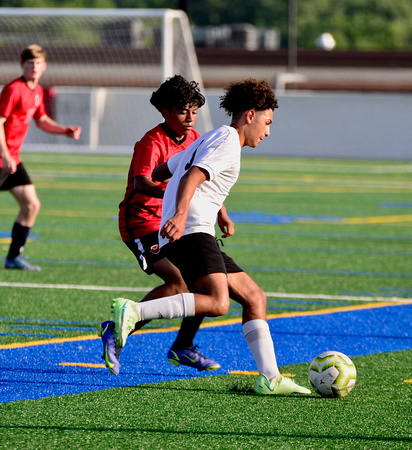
point(332, 374)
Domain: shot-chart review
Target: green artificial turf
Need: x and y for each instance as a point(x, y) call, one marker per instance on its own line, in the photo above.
point(223, 412)
point(346, 233)
point(317, 250)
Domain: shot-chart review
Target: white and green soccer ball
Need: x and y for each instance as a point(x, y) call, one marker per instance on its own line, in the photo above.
point(332, 374)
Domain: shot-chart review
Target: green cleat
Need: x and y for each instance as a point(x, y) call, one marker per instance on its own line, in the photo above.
point(125, 318)
point(278, 385)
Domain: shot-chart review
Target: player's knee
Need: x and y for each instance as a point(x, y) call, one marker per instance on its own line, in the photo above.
point(255, 297)
point(221, 305)
point(177, 287)
point(32, 208)
point(260, 298)
point(37, 206)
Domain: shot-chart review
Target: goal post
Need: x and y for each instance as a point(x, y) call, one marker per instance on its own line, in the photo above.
point(103, 65)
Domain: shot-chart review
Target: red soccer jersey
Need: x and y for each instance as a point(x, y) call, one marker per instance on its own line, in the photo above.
point(140, 214)
point(19, 104)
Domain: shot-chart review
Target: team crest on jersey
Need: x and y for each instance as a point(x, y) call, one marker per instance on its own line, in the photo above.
point(155, 249)
point(37, 100)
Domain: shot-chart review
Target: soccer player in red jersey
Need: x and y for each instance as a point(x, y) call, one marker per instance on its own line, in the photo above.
point(201, 178)
point(22, 100)
point(140, 213)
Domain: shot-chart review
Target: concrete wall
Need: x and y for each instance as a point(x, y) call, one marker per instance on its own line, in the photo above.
point(347, 125)
point(312, 124)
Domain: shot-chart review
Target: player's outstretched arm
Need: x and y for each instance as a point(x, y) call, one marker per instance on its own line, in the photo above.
point(48, 125)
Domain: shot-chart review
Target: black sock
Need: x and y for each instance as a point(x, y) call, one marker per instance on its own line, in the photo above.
point(187, 332)
point(19, 237)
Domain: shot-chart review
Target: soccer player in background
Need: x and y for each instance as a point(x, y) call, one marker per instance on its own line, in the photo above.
point(140, 211)
point(20, 101)
point(202, 177)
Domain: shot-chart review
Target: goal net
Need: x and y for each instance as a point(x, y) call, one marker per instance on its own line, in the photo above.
point(103, 65)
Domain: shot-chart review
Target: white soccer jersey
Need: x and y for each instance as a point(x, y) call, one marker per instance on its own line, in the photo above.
point(217, 152)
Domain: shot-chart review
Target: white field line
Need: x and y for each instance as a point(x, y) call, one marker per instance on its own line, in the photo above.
point(362, 298)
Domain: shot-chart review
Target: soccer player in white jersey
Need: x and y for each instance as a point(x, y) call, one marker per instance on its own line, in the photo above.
point(203, 175)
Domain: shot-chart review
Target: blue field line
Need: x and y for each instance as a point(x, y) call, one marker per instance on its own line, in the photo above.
point(396, 205)
point(51, 176)
point(281, 308)
point(395, 289)
point(81, 242)
point(328, 272)
point(73, 322)
point(260, 218)
point(247, 268)
point(319, 250)
point(271, 231)
point(52, 369)
point(267, 229)
point(7, 234)
point(49, 327)
point(30, 335)
point(305, 302)
point(84, 262)
point(239, 247)
point(406, 294)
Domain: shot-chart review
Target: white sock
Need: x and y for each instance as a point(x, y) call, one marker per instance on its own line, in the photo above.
point(260, 342)
point(179, 305)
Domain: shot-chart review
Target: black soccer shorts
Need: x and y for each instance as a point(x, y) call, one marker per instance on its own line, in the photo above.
point(18, 178)
point(146, 250)
point(197, 255)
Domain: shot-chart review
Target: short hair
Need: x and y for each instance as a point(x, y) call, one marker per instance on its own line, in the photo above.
point(177, 92)
point(31, 52)
point(248, 94)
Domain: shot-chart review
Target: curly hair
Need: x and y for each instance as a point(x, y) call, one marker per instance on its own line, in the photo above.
point(177, 92)
point(248, 94)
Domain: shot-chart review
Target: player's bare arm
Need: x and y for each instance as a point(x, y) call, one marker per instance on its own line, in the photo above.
point(173, 229)
point(47, 124)
point(227, 227)
point(144, 185)
point(161, 173)
point(9, 165)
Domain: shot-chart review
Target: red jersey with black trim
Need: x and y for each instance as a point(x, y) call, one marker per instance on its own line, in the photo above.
point(19, 104)
point(140, 214)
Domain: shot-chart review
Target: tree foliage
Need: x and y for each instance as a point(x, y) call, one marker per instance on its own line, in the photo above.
point(355, 24)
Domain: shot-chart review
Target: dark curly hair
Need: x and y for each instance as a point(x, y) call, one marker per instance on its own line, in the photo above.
point(248, 94)
point(177, 92)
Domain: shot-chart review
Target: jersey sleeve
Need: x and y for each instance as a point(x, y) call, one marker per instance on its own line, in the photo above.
point(216, 156)
point(41, 110)
point(146, 158)
point(7, 101)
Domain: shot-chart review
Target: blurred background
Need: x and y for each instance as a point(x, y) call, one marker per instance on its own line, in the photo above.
point(342, 70)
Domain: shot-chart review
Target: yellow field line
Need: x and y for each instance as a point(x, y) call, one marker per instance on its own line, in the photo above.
point(100, 366)
point(378, 219)
point(255, 372)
